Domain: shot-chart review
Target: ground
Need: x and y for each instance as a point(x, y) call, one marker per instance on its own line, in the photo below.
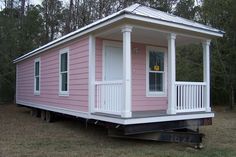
point(23, 135)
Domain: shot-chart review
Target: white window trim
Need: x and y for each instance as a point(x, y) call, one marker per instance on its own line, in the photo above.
point(164, 92)
point(35, 91)
point(63, 51)
point(105, 44)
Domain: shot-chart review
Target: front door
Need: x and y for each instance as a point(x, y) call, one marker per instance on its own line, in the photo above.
point(113, 63)
point(111, 91)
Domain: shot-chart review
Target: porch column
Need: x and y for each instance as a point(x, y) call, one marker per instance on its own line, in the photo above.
point(206, 71)
point(126, 109)
point(92, 68)
point(171, 74)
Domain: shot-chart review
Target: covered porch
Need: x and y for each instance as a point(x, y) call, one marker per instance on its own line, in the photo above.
point(119, 91)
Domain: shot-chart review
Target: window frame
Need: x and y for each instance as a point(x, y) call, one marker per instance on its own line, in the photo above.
point(37, 92)
point(156, 93)
point(61, 52)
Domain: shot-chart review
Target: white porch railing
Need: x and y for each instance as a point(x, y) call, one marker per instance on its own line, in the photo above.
point(190, 96)
point(109, 97)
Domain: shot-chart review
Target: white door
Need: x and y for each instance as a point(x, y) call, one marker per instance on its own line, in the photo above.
point(111, 94)
point(113, 63)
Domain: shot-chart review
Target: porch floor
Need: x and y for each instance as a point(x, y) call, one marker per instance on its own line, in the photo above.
point(143, 114)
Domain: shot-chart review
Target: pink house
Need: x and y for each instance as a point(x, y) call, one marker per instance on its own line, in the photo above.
point(120, 70)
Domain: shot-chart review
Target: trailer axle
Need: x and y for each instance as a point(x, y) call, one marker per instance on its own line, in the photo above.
point(178, 136)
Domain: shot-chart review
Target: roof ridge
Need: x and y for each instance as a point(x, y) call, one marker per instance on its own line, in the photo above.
point(132, 7)
point(138, 5)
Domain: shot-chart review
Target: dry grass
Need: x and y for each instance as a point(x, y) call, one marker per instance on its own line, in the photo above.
point(23, 135)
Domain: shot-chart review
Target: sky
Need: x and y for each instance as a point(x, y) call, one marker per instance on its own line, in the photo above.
point(36, 1)
point(40, 1)
point(31, 1)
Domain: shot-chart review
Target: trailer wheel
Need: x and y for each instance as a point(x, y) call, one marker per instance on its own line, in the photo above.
point(199, 146)
point(38, 113)
point(43, 114)
point(33, 112)
point(49, 116)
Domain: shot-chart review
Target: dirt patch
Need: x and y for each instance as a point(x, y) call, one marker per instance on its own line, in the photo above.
point(23, 135)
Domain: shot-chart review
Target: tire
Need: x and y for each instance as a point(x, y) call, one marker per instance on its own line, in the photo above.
point(38, 113)
point(33, 112)
point(43, 115)
point(49, 116)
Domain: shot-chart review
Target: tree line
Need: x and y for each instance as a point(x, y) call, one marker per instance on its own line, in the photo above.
point(24, 27)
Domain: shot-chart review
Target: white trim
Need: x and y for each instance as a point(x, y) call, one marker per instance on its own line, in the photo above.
point(55, 109)
point(167, 32)
point(164, 92)
point(169, 118)
point(172, 100)
point(63, 51)
point(92, 72)
point(108, 82)
point(104, 45)
point(107, 112)
point(206, 73)
point(37, 92)
point(127, 71)
point(189, 83)
point(191, 110)
point(123, 121)
point(17, 76)
point(166, 118)
point(126, 28)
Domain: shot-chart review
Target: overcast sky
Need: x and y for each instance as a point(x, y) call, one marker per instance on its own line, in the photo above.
point(31, 1)
point(40, 1)
point(2, 4)
point(36, 1)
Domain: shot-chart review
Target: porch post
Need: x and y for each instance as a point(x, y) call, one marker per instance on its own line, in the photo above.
point(92, 68)
point(206, 71)
point(126, 109)
point(171, 74)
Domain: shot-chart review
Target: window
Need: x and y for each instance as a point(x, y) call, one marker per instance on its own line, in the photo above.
point(37, 76)
point(64, 76)
point(156, 71)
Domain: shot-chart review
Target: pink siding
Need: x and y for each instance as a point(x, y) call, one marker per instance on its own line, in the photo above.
point(78, 78)
point(139, 100)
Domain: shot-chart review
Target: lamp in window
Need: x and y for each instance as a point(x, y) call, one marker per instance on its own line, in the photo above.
point(156, 68)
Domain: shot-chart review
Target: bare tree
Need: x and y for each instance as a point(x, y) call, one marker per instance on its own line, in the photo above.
point(22, 8)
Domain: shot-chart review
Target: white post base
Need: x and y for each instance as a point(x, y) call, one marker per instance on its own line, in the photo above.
point(171, 111)
point(208, 109)
point(126, 114)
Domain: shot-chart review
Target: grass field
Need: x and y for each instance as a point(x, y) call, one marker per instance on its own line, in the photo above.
point(22, 135)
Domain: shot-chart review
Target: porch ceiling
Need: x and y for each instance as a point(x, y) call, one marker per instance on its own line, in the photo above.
point(151, 37)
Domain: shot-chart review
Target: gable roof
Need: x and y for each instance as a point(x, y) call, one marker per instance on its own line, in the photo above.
point(136, 10)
